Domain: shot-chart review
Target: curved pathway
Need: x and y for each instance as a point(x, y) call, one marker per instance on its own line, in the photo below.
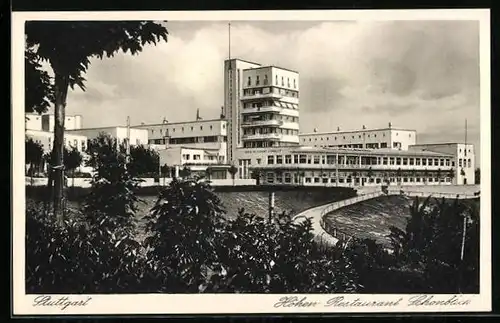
point(316, 214)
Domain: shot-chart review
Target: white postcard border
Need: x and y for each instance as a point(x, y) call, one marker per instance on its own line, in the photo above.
point(240, 303)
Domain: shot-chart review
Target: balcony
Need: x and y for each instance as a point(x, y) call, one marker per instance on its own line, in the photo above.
point(262, 136)
point(270, 108)
point(257, 96)
point(257, 123)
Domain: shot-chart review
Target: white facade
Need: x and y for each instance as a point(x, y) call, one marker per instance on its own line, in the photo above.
point(45, 122)
point(233, 90)
point(394, 138)
point(201, 134)
point(270, 107)
point(46, 139)
point(347, 167)
point(70, 122)
point(33, 121)
point(137, 136)
point(197, 160)
point(463, 161)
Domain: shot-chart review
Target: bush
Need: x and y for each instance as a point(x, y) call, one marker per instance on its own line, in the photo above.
point(281, 256)
point(78, 258)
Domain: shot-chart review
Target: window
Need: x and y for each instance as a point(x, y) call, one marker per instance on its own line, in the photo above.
point(258, 161)
point(288, 178)
point(469, 163)
point(276, 79)
point(282, 81)
point(294, 84)
point(192, 128)
point(288, 159)
point(316, 159)
point(295, 159)
point(424, 161)
point(384, 161)
point(270, 177)
point(441, 162)
point(447, 162)
point(460, 162)
point(201, 127)
point(279, 177)
point(211, 127)
point(383, 145)
point(412, 161)
point(391, 160)
point(405, 161)
point(398, 161)
point(279, 159)
point(249, 82)
point(270, 159)
point(302, 159)
point(417, 161)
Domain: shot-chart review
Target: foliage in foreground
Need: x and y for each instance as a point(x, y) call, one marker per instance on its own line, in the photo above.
point(191, 246)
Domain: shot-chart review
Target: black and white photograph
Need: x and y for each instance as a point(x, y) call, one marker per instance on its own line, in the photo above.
point(251, 162)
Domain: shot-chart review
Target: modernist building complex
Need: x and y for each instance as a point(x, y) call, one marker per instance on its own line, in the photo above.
point(258, 133)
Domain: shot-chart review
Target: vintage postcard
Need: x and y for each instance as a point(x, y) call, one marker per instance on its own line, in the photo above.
point(251, 162)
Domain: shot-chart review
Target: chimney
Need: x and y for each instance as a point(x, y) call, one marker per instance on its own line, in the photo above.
point(364, 127)
point(390, 125)
point(338, 128)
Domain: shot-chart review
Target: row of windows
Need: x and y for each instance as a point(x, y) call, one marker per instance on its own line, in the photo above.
point(352, 137)
point(288, 177)
point(269, 130)
point(464, 162)
point(166, 131)
point(279, 104)
point(265, 81)
point(266, 144)
point(270, 116)
point(268, 90)
point(349, 160)
point(189, 140)
point(374, 145)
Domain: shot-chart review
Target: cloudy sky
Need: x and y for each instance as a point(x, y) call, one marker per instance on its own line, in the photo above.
point(421, 75)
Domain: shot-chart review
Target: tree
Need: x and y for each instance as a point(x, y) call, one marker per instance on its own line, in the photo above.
point(432, 243)
point(399, 173)
point(451, 174)
point(113, 199)
point(185, 172)
point(143, 161)
point(256, 175)
point(34, 156)
point(208, 172)
point(184, 229)
point(439, 174)
point(38, 88)
point(68, 46)
point(233, 170)
point(72, 160)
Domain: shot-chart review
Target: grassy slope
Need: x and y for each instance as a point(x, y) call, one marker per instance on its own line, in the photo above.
point(373, 218)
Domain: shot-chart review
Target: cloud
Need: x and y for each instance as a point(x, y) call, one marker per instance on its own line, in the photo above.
point(417, 74)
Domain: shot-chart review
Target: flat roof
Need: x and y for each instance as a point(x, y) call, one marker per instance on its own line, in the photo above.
point(354, 131)
point(385, 151)
point(96, 128)
point(442, 144)
point(270, 66)
point(177, 123)
point(243, 60)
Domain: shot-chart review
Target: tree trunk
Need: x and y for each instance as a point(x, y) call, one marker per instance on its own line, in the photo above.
point(61, 91)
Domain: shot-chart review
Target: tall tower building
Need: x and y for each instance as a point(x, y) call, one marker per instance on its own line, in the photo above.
point(270, 111)
point(233, 90)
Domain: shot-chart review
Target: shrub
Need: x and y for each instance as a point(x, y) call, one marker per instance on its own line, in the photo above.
point(184, 227)
point(78, 258)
